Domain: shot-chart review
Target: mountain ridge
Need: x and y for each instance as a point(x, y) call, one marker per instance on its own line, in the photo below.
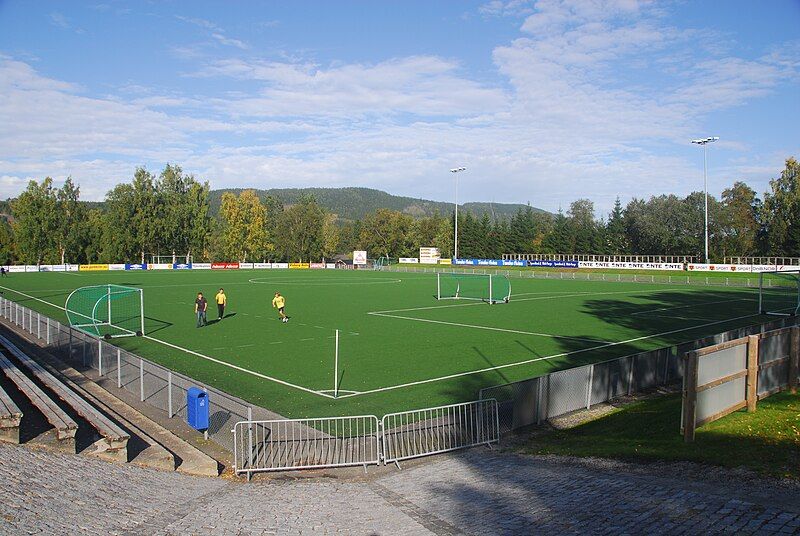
point(352, 203)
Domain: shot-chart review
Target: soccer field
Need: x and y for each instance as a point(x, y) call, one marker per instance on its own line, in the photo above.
point(399, 347)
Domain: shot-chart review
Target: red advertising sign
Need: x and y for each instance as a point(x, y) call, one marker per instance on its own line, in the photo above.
point(224, 265)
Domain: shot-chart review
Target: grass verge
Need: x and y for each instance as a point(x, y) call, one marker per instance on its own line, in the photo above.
point(767, 441)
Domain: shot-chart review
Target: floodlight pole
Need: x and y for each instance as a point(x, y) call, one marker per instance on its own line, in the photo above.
point(455, 234)
point(704, 142)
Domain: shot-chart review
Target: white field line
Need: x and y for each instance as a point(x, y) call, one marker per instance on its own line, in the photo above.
point(236, 367)
point(192, 352)
point(489, 328)
point(700, 304)
point(553, 297)
point(527, 361)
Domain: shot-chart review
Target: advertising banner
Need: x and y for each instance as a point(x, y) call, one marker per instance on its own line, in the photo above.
point(159, 266)
point(93, 267)
point(72, 267)
point(317, 265)
point(262, 265)
point(136, 266)
point(116, 266)
point(53, 268)
point(298, 265)
point(330, 265)
point(674, 266)
point(409, 260)
point(280, 265)
point(245, 265)
point(444, 261)
point(429, 255)
point(15, 269)
point(182, 266)
point(360, 258)
point(201, 266)
point(224, 265)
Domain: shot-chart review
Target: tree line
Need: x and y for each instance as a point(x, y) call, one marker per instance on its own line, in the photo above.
point(170, 212)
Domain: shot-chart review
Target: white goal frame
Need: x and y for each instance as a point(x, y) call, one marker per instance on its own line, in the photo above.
point(171, 259)
point(761, 287)
point(490, 299)
point(92, 320)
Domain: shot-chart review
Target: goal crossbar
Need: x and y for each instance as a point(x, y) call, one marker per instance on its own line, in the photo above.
point(491, 288)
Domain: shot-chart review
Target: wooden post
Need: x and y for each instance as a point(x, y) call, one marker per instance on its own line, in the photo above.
point(794, 359)
point(751, 394)
point(690, 397)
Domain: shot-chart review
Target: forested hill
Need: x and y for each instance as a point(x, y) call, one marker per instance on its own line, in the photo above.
point(355, 203)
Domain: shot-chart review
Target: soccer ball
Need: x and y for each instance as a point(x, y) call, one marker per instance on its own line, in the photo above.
point(284, 320)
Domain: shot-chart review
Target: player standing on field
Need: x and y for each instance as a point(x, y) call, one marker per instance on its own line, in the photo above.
point(200, 306)
point(222, 301)
point(279, 302)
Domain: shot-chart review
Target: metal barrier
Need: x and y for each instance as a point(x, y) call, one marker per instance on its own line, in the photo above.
point(277, 445)
point(411, 434)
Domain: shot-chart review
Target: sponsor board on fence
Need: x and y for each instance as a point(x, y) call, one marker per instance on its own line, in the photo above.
point(409, 260)
point(262, 265)
point(201, 266)
point(702, 267)
point(330, 265)
point(245, 265)
point(93, 267)
point(316, 265)
point(116, 266)
point(280, 265)
point(53, 268)
point(675, 266)
point(445, 261)
point(224, 265)
point(359, 258)
point(16, 269)
point(159, 266)
point(182, 266)
point(429, 255)
point(136, 266)
point(298, 265)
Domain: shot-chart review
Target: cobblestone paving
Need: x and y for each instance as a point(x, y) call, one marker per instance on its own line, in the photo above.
point(477, 492)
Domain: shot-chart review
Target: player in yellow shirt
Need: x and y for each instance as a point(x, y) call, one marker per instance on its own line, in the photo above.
point(222, 301)
point(280, 302)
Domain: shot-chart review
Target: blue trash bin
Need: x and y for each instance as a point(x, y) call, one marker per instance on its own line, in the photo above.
point(197, 408)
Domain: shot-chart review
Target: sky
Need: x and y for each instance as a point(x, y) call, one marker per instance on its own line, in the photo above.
point(543, 102)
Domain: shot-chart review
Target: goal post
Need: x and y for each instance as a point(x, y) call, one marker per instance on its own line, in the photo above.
point(779, 293)
point(491, 288)
point(107, 310)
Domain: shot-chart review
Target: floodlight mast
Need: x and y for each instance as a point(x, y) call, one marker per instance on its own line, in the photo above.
point(704, 142)
point(455, 234)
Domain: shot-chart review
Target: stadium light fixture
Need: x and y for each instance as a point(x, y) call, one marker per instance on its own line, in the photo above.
point(455, 233)
point(704, 142)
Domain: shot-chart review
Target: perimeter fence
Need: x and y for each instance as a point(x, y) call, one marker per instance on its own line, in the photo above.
point(532, 401)
point(529, 273)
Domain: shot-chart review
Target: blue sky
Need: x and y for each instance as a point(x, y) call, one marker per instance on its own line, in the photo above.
point(543, 101)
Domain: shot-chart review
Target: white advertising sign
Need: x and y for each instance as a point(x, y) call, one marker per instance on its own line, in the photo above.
point(281, 265)
point(116, 266)
point(245, 265)
point(632, 265)
point(160, 266)
point(360, 258)
point(409, 260)
point(201, 266)
point(262, 265)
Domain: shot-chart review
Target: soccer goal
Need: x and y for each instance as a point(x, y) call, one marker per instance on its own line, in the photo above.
point(779, 293)
point(170, 259)
point(107, 310)
point(492, 288)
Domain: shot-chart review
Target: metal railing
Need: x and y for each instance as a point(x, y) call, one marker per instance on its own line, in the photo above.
point(277, 445)
point(412, 434)
point(585, 257)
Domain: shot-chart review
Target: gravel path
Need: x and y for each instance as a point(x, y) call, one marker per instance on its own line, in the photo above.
point(476, 492)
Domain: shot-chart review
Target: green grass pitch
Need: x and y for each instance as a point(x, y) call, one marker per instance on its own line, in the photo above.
point(399, 347)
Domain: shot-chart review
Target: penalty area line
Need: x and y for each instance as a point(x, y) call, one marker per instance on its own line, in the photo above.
point(534, 360)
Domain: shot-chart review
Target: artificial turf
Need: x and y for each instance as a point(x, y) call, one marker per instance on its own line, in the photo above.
point(415, 352)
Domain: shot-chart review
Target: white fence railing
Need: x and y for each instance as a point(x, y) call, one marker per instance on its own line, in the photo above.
point(278, 445)
point(411, 434)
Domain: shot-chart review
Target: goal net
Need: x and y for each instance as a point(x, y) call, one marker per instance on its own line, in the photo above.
point(779, 293)
point(107, 310)
point(492, 288)
point(171, 259)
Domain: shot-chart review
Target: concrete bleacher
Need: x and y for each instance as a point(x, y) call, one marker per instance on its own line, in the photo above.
point(114, 440)
point(65, 427)
point(10, 418)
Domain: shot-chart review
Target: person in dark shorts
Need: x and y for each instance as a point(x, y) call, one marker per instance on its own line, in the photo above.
point(279, 302)
point(200, 308)
point(222, 301)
